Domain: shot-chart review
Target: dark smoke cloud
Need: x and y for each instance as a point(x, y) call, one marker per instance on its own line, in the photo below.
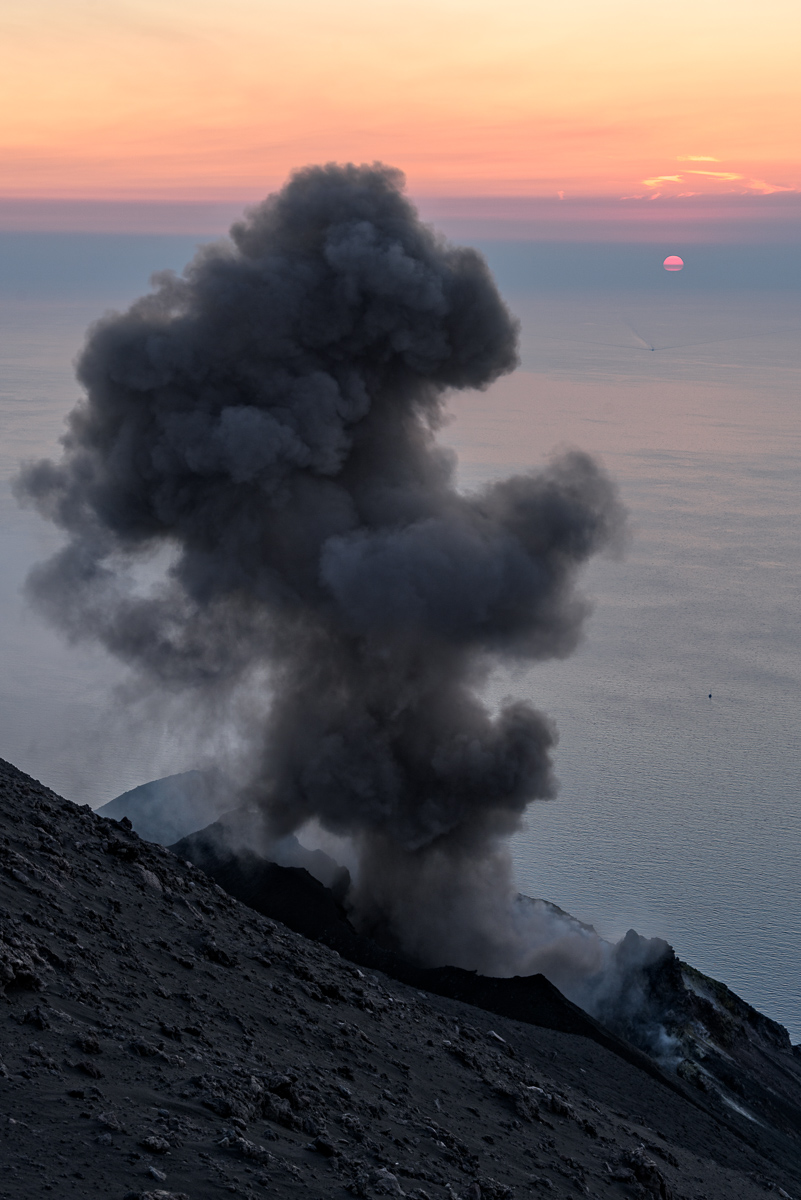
point(269, 418)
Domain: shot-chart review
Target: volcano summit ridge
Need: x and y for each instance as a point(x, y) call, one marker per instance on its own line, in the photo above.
point(160, 1037)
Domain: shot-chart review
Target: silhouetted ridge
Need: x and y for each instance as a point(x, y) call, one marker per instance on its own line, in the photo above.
point(201, 1041)
point(294, 897)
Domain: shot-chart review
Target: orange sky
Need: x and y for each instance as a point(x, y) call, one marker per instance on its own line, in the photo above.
point(205, 99)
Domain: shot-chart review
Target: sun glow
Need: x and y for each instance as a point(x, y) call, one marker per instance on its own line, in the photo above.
point(138, 98)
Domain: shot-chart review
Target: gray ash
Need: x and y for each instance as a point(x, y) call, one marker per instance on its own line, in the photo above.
point(269, 420)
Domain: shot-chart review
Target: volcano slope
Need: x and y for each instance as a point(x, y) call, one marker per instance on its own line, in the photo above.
point(162, 1040)
point(735, 1057)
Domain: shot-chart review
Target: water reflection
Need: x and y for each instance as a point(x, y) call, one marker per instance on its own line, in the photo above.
point(678, 813)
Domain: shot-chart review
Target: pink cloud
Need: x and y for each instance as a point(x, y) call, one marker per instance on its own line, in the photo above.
point(728, 175)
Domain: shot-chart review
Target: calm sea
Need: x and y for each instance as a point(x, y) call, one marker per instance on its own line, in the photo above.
point(679, 812)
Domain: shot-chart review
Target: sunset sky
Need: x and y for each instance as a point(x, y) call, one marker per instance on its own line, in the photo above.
point(212, 100)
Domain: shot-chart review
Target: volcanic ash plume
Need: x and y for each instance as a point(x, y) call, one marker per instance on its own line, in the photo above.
point(269, 419)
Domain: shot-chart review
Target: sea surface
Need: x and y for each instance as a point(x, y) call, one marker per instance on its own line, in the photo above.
point(679, 812)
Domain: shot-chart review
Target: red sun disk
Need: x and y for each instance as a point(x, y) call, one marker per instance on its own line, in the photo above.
point(673, 263)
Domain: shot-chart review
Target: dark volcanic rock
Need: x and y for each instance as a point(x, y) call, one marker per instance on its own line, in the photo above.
point(285, 1070)
point(723, 1047)
point(291, 895)
point(719, 1043)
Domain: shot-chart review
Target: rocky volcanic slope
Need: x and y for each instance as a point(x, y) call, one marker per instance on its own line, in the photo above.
point(737, 1060)
point(160, 1039)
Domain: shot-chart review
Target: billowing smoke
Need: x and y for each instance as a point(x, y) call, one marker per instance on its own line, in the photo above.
point(269, 419)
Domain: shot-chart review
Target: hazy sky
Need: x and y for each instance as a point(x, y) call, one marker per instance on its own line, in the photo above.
point(205, 99)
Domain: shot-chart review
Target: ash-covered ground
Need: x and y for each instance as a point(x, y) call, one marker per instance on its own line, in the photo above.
point(161, 1039)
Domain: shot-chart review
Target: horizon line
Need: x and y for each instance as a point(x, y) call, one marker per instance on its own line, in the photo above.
point(493, 217)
